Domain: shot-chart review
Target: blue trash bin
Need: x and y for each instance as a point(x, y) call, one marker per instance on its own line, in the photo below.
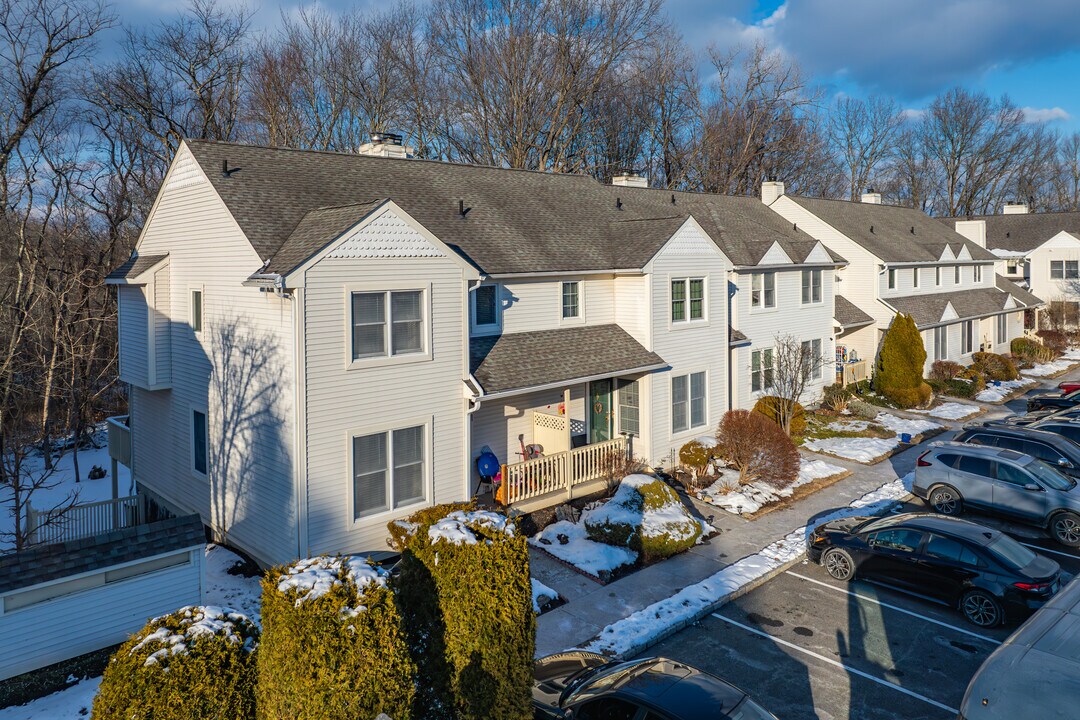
point(905, 437)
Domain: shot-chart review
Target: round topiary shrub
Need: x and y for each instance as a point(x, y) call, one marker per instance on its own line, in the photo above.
point(995, 367)
point(464, 585)
point(771, 407)
point(696, 456)
point(899, 367)
point(197, 663)
point(333, 645)
point(645, 515)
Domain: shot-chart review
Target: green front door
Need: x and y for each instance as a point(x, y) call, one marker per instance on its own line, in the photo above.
point(600, 414)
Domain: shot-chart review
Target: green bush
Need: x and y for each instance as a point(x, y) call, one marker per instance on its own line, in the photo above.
point(1027, 350)
point(864, 410)
point(968, 383)
point(945, 370)
point(333, 644)
point(899, 367)
point(696, 456)
point(645, 515)
point(836, 398)
point(994, 367)
point(464, 584)
point(770, 406)
point(197, 663)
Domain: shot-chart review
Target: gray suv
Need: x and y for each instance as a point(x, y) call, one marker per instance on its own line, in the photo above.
point(951, 476)
point(1050, 447)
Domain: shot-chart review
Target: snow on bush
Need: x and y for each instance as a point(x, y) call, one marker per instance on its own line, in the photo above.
point(458, 526)
point(195, 663)
point(646, 516)
point(997, 393)
point(334, 646)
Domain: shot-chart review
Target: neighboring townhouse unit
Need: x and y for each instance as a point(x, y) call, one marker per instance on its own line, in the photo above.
point(320, 343)
point(1039, 251)
point(902, 260)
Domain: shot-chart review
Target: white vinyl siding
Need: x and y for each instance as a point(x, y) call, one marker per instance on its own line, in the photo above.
point(134, 335)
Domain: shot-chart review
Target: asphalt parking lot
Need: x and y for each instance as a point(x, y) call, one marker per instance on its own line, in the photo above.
point(809, 647)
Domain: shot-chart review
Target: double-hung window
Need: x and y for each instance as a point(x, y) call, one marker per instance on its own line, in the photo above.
point(967, 336)
point(687, 299)
point(1012, 267)
point(978, 273)
point(761, 370)
point(937, 276)
point(941, 343)
point(915, 277)
point(571, 300)
point(200, 441)
point(687, 402)
point(956, 274)
point(892, 278)
point(811, 286)
point(1064, 269)
point(811, 359)
point(387, 324)
point(763, 290)
point(1001, 329)
point(388, 470)
point(485, 308)
point(630, 407)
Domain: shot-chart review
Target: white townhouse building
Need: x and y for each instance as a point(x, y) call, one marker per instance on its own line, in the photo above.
point(319, 343)
point(1039, 251)
point(902, 260)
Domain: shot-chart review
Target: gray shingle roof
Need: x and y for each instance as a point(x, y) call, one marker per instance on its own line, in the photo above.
point(54, 562)
point(926, 309)
point(891, 239)
point(315, 229)
point(1021, 294)
point(532, 359)
point(737, 337)
point(1023, 232)
point(517, 220)
point(135, 266)
point(848, 314)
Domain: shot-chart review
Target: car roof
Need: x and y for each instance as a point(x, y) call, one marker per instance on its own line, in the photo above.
point(981, 451)
point(956, 527)
point(676, 688)
point(1025, 431)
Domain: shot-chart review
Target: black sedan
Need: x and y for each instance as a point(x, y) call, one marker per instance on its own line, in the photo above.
point(1053, 401)
point(586, 686)
point(989, 576)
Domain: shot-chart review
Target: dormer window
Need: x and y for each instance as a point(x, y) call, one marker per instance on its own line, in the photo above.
point(937, 277)
point(915, 277)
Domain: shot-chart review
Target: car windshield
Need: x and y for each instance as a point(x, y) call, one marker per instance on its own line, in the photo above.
point(1009, 552)
point(876, 524)
point(750, 710)
point(1049, 476)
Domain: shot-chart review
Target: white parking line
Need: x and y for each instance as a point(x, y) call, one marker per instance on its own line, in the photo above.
point(835, 663)
point(1040, 548)
point(897, 608)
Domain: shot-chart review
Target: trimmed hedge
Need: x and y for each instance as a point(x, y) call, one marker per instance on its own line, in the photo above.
point(899, 367)
point(994, 367)
point(770, 406)
point(197, 663)
point(696, 456)
point(625, 520)
point(1027, 350)
point(464, 583)
point(333, 644)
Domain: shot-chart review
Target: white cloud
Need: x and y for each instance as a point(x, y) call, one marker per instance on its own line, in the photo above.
point(913, 113)
point(1036, 115)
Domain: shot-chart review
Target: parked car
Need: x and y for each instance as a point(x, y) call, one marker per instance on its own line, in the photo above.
point(984, 573)
point(1069, 385)
point(1035, 673)
point(1052, 448)
point(1053, 400)
point(587, 686)
point(952, 476)
point(1036, 416)
point(1068, 427)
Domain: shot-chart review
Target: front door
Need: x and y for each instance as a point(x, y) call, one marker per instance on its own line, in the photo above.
point(600, 414)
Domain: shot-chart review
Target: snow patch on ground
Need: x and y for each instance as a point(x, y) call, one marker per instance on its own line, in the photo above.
point(235, 591)
point(581, 552)
point(997, 393)
point(903, 425)
point(631, 633)
point(1051, 368)
point(951, 411)
point(540, 590)
point(72, 703)
point(748, 499)
point(859, 449)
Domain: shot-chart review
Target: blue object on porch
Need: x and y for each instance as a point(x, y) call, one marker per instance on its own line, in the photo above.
point(487, 465)
point(905, 437)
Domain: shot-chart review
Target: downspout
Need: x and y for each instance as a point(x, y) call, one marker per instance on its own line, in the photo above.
point(471, 405)
point(732, 288)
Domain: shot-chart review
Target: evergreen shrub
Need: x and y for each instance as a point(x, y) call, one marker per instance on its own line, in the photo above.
point(770, 406)
point(198, 663)
point(899, 367)
point(836, 398)
point(1027, 350)
point(645, 515)
point(994, 367)
point(333, 644)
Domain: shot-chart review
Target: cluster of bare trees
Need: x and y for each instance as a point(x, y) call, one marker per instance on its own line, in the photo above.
point(586, 86)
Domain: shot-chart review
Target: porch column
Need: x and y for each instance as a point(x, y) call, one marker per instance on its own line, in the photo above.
point(567, 465)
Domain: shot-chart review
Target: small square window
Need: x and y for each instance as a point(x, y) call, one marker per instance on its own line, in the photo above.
point(571, 300)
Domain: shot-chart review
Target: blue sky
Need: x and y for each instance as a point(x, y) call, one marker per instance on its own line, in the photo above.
point(910, 49)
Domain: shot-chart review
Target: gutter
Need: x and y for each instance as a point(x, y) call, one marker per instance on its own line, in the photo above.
point(265, 280)
point(561, 273)
point(786, 266)
point(570, 381)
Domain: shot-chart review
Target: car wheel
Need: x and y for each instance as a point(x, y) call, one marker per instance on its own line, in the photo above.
point(838, 564)
point(981, 609)
point(1066, 529)
point(946, 501)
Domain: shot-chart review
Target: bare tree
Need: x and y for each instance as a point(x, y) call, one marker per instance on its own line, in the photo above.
point(796, 365)
point(863, 135)
point(1066, 180)
point(25, 480)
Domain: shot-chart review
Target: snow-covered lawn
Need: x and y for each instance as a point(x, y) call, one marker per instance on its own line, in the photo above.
point(1051, 368)
point(638, 630)
point(997, 393)
point(868, 450)
point(903, 425)
point(64, 485)
point(748, 499)
point(951, 411)
point(588, 556)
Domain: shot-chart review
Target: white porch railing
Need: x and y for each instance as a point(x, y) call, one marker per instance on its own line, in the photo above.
point(560, 471)
point(853, 372)
point(84, 520)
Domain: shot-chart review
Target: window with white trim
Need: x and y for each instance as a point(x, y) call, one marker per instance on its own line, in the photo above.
point(967, 336)
point(811, 286)
point(387, 324)
point(937, 276)
point(956, 274)
point(200, 442)
point(1001, 329)
point(941, 343)
point(196, 310)
point(1064, 269)
point(892, 278)
point(688, 402)
point(915, 277)
point(388, 470)
point(761, 370)
point(1012, 267)
point(763, 290)
point(630, 407)
point(485, 307)
point(978, 273)
point(811, 356)
point(571, 299)
point(687, 299)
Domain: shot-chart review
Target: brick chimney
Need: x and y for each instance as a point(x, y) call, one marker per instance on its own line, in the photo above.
point(770, 190)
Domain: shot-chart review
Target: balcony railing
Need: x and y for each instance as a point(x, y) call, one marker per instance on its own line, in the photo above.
point(560, 472)
point(852, 372)
point(84, 520)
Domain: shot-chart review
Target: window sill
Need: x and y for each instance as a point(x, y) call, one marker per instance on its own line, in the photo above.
point(383, 516)
point(696, 430)
point(387, 361)
point(687, 324)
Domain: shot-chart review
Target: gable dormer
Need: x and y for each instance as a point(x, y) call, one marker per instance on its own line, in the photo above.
point(775, 255)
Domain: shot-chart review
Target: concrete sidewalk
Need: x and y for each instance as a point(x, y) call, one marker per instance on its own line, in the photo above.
point(591, 606)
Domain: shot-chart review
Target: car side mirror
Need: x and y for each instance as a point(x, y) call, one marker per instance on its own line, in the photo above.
point(1063, 462)
point(1032, 486)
